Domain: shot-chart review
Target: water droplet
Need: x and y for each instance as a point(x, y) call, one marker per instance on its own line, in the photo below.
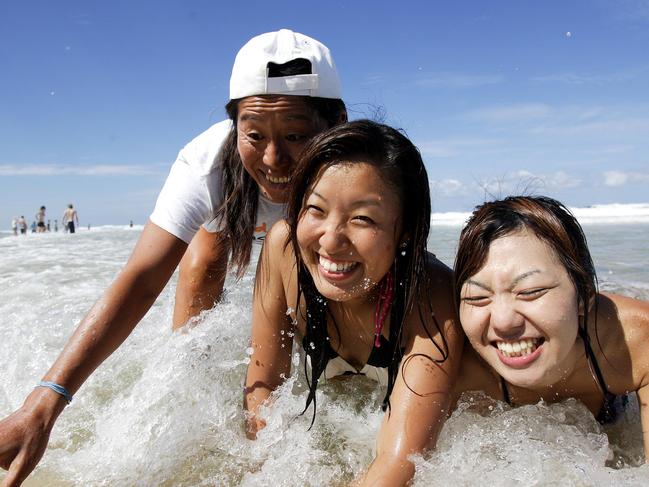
point(250, 351)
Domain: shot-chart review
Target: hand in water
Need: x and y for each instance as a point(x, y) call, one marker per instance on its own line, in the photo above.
point(24, 436)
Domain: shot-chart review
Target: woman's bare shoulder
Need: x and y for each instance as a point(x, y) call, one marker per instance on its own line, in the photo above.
point(623, 331)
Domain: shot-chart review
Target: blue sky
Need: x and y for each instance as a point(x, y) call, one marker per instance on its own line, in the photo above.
point(552, 97)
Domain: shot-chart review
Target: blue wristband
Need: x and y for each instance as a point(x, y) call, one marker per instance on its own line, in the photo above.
point(56, 388)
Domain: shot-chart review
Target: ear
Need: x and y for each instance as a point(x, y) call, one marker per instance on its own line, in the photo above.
point(405, 240)
point(343, 117)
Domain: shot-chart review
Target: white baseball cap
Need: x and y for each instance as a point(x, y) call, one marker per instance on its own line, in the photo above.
point(250, 70)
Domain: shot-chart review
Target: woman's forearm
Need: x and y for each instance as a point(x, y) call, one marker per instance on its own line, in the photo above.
point(388, 471)
point(118, 311)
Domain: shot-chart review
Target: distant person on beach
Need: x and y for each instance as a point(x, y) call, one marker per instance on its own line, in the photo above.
point(229, 184)
point(130, 225)
point(69, 217)
point(56, 225)
point(40, 220)
point(351, 260)
point(538, 327)
point(14, 225)
point(22, 225)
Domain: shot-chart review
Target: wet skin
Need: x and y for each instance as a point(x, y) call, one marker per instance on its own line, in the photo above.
point(271, 134)
point(348, 232)
point(523, 298)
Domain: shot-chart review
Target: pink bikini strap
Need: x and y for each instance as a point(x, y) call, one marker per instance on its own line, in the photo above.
point(386, 296)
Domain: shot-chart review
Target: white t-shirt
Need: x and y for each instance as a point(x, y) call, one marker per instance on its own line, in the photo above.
point(191, 195)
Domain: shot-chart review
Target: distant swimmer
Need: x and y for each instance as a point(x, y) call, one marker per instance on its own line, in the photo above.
point(22, 225)
point(40, 220)
point(69, 217)
point(14, 225)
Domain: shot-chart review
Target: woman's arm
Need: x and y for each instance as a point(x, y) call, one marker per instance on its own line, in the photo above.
point(633, 315)
point(422, 392)
point(271, 340)
point(25, 433)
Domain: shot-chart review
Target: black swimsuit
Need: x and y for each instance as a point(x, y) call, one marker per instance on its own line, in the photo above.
point(376, 367)
point(613, 405)
point(379, 356)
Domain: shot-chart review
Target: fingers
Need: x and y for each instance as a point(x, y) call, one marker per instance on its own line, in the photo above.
point(17, 472)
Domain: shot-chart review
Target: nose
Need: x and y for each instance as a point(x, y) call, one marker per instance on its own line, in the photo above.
point(276, 155)
point(333, 239)
point(505, 320)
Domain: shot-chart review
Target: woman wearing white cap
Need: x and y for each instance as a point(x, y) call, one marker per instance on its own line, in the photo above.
point(231, 180)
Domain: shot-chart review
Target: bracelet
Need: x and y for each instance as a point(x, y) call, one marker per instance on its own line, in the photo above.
point(56, 388)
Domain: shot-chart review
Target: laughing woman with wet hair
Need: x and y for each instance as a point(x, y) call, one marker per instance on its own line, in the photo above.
point(539, 329)
point(351, 260)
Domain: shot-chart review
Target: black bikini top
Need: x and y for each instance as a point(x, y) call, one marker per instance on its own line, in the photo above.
point(379, 356)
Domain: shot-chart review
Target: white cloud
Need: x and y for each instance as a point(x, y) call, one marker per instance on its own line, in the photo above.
point(523, 112)
point(620, 126)
point(75, 170)
point(634, 11)
point(448, 187)
point(457, 80)
point(620, 178)
point(444, 148)
point(525, 182)
point(582, 79)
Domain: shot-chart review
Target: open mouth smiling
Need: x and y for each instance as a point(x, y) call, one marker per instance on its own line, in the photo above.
point(336, 267)
point(278, 179)
point(518, 348)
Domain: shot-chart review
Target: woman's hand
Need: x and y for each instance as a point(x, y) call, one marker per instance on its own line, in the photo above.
point(25, 433)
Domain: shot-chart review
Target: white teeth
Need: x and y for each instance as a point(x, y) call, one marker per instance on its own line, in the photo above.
point(518, 348)
point(330, 266)
point(278, 179)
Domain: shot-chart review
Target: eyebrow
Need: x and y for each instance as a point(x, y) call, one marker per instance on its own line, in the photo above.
point(290, 117)
point(357, 203)
point(518, 279)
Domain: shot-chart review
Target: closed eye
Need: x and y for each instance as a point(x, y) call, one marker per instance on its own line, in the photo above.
point(314, 210)
point(532, 293)
point(475, 300)
point(364, 219)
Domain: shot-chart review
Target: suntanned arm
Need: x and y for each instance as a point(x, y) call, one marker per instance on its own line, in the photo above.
point(421, 397)
point(634, 317)
point(270, 362)
point(25, 433)
point(201, 276)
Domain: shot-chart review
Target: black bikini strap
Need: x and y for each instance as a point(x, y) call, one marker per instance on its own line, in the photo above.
point(590, 356)
point(503, 386)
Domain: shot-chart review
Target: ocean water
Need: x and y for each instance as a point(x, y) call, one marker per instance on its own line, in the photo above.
point(165, 409)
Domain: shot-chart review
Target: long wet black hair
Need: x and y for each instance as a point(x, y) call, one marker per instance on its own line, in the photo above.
point(240, 192)
point(401, 167)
